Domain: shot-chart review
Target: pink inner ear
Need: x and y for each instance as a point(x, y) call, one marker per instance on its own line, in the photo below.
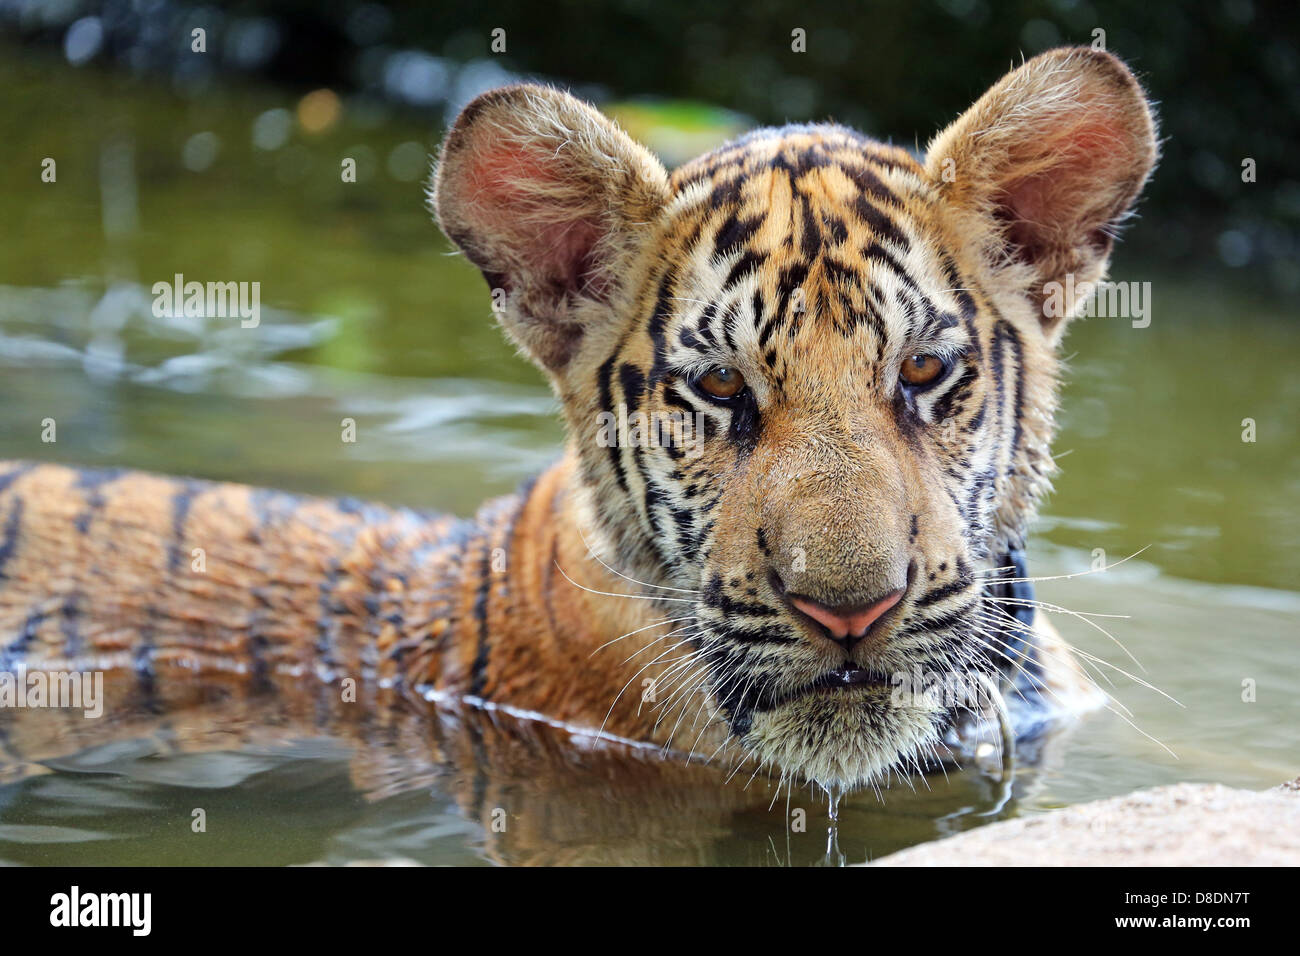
point(522, 202)
point(1074, 177)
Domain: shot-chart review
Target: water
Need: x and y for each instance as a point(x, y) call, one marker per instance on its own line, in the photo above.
point(365, 316)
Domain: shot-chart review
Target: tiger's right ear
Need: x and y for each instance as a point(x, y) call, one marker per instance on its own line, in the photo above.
point(551, 200)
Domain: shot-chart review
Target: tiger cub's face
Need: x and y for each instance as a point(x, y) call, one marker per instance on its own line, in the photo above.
point(810, 381)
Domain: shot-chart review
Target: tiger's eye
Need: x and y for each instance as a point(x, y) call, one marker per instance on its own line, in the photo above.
point(722, 382)
point(920, 369)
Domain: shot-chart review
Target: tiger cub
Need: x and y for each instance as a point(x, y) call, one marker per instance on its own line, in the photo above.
point(810, 385)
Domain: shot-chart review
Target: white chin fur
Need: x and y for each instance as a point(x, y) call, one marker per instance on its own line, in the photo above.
point(843, 740)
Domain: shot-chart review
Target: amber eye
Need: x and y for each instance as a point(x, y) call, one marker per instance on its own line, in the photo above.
point(921, 370)
point(722, 382)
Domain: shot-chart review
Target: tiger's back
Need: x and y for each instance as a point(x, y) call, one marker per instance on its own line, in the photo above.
point(127, 570)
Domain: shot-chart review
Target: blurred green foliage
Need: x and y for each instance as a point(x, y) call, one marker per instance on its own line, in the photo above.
point(1226, 75)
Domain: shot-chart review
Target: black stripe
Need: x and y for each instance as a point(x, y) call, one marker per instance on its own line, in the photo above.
point(879, 223)
point(879, 252)
point(938, 594)
point(657, 328)
point(632, 380)
point(182, 501)
point(327, 623)
point(952, 618)
point(1004, 333)
point(525, 493)
point(71, 633)
point(953, 399)
point(748, 262)
point(9, 537)
point(715, 596)
point(653, 497)
point(257, 648)
point(957, 285)
point(13, 653)
point(92, 482)
point(604, 380)
point(142, 663)
point(478, 671)
point(734, 233)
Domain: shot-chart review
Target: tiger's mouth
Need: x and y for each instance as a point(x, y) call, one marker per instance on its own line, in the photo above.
point(843, 729)
point(819, 714)
point(846, 678)
point(848, 724)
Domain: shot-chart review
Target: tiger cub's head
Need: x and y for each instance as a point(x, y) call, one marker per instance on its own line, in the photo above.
point(809, 379)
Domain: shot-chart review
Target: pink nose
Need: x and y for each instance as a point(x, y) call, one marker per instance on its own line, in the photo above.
point(846, 622)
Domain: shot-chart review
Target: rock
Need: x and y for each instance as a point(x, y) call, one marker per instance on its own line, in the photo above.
point(1186, 824)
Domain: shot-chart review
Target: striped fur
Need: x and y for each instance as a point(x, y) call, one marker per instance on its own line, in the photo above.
point(810, 259)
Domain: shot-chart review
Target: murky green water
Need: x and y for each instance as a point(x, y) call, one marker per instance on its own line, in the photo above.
point(365, 316)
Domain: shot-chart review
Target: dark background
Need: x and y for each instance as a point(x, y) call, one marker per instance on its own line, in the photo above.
point(1225, 72)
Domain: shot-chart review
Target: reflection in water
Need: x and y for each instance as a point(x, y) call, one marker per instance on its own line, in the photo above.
point(391, 777)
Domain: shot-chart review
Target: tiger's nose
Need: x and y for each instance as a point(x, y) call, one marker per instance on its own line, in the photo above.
point(846, 625)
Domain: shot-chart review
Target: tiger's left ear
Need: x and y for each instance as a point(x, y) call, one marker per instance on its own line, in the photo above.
point(1043, 169)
